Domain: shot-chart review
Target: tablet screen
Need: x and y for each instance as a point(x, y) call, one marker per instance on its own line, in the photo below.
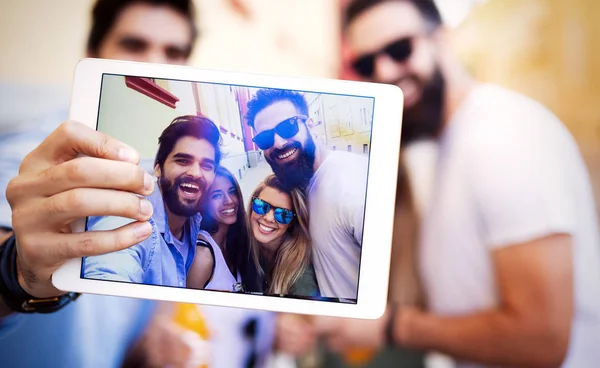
point(257, 190)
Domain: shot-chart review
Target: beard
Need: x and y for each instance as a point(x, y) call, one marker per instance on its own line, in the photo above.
point(424, 119)
point(179, 206)
point(296, 173)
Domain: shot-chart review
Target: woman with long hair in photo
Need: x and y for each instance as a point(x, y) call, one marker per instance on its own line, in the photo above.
point(280, 244)
point(222, 254)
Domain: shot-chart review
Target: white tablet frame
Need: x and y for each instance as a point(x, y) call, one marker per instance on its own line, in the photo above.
point(381, 189)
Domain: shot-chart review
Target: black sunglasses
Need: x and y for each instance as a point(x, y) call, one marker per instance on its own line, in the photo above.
point(398, 50)
point(285, 129)
point(281, 215)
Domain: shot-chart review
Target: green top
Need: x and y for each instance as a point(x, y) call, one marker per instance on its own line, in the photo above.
point(306, 285)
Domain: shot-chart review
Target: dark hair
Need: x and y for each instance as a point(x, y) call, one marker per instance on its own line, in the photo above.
point(426, 8)
point(236, 243)
point(266, 97)
point(188, 126)
point(106, 12)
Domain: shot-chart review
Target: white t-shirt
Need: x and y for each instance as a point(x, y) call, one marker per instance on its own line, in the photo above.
point(336, 203)
point(509, 172)
point(221, 279)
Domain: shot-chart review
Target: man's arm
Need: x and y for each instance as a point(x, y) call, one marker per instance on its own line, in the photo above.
point(531, 325)
point(124, 265)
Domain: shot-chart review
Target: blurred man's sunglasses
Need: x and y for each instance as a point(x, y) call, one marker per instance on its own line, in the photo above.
point(285, 129)
point(398, 50)
point(281, 215)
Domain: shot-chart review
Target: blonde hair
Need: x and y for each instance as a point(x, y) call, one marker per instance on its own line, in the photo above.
point(293, 254)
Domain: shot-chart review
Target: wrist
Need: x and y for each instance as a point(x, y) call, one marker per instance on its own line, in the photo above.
point(407, 320)
point(13, 296)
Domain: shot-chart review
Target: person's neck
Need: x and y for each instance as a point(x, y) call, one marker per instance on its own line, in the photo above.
point(321, 153)
point(220, 237)
point(176, 224)
point(458, 85)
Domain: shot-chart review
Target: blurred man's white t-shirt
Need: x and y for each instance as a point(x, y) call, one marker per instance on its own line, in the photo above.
point(509, 172)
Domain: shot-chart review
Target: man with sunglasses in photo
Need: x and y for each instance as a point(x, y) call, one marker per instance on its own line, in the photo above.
point(509, 252)
point(335, 183)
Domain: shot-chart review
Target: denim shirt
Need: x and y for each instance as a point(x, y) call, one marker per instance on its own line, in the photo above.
point(155, 261)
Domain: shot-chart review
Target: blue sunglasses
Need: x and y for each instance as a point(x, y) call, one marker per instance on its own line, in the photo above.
point(282, 215)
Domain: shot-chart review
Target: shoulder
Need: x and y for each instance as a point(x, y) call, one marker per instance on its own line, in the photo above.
point(204, 255)
point(340, 169)
point(502, 126)
point(347, 161)
point(492, 113)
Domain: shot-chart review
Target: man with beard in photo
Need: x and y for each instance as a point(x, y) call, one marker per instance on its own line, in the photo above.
point(335, 184)
point(185, 164)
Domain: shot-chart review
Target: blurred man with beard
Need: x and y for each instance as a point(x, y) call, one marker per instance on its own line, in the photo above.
point(508, 252)
point(334, 181)
point(185, 164)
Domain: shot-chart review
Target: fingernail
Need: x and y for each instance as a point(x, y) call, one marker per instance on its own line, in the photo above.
point(146, 207)
point(142, 230)
point(125, 154)
point(148, 182)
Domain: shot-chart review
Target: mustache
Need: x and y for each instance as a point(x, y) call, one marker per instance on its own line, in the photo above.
point(190, 180)
point(276, 151)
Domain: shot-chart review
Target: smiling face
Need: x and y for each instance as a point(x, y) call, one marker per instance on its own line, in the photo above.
point(265, 229)
point(186, 174)
point(417, 73)
point(292, 159)
point(223, 201)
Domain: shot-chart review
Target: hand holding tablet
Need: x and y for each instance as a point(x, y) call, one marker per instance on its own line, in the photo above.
point(270, 192)
point(55, 187)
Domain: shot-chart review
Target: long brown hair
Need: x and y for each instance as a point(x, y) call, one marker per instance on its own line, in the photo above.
point(294, 252)
point(236, 250)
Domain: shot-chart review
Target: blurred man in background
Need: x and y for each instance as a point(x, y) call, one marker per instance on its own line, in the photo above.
point(93, 331)
point(508, 252)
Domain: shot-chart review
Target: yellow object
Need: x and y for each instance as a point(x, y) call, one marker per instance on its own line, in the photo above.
point(189, 317)
point(359, 356)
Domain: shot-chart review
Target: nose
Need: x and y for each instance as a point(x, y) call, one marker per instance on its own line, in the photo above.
point(269, 216)
point(279, 142)
point(387, 69)
point(194, 171)
point(227, 199)
point(155, 56)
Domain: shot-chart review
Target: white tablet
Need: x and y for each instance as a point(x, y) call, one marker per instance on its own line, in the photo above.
point(271, 193)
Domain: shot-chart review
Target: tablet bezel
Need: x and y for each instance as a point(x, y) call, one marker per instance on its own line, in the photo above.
point(380, 204)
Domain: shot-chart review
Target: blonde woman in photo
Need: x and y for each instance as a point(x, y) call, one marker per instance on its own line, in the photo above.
point(280, 244)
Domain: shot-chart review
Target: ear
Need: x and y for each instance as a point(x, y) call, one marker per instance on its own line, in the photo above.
point(310, 123)
point(157, 171)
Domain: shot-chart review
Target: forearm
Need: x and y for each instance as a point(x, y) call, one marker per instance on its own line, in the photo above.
point(493, 337)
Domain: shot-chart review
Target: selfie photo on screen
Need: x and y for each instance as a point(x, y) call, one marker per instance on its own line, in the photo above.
point(258, 190)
